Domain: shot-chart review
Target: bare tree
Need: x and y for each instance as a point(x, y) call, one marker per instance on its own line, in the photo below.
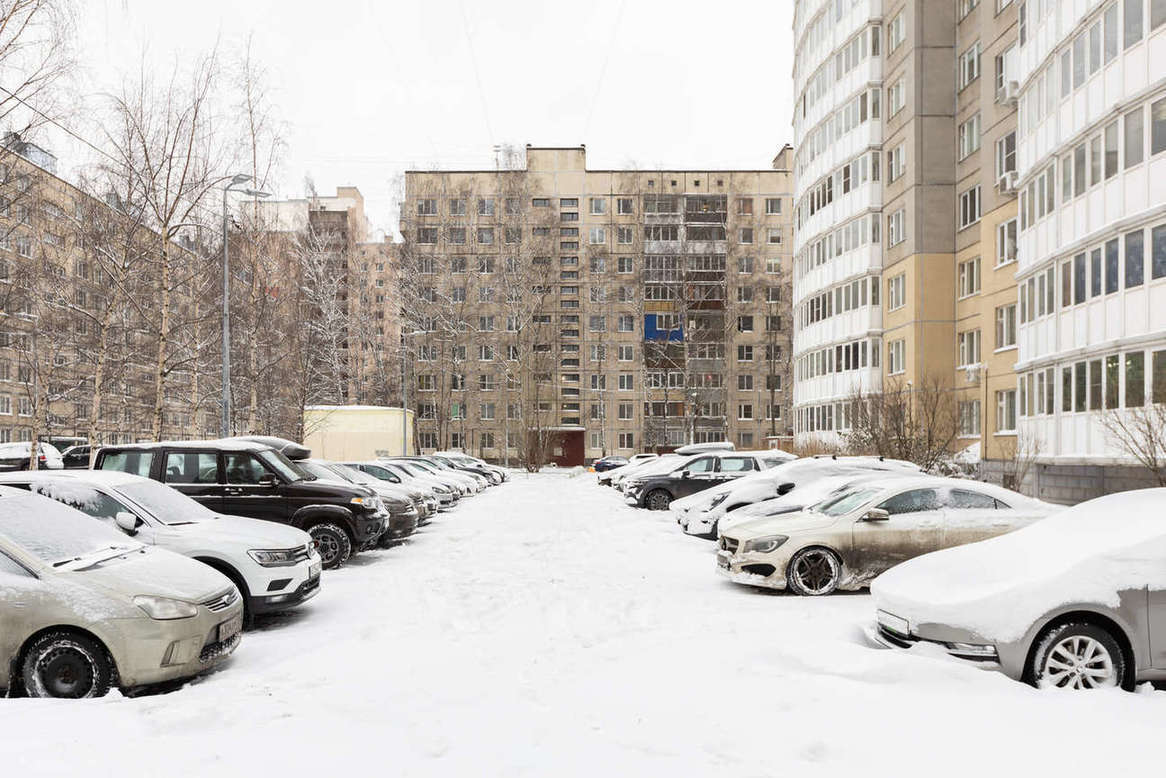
point(916, 424)
point(35, 56)
point(1140, 433)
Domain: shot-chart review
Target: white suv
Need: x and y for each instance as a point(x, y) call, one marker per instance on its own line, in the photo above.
point(274, 566)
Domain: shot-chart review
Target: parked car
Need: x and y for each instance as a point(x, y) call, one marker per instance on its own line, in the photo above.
point(423, 499)
point(478, 482)
point(617, 476)
point(244, 478)
point(1075, 601)
point(76, 457)
point(458, 456)
point(85, 607)
point(700, 514)
point(610, 462)
point(849, 538)
point(804, 495)
point(446, 496)
point(402, 512)
point(656, 491)
point(16, 456)
point(289, 448)
point(466, 466)
point(274, 567)
point(465, 485)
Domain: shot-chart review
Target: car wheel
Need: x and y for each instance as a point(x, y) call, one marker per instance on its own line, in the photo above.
point(659, 500)
point(1077, 656)
point(64, 664)
point(813, 572)
point(333, 544)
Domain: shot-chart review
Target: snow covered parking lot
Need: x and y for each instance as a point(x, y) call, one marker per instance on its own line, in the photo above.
point(546, 629)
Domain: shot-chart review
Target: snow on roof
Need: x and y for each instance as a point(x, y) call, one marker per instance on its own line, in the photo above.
point(1000, 587)
point(101, 477)
point(222, 444)
point(352, 408)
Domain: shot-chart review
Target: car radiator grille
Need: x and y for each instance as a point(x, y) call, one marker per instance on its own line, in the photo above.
point(222, 601)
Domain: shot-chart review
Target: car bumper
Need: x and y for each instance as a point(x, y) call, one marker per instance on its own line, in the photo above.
point(154, 651)
point(276, 588)
point(750, 570)
point(279, 602)
point(890, 636)
point(369, 529)
point(402, 525)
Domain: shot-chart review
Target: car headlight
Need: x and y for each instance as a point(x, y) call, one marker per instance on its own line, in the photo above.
point(165, 608)
point(764, 544)
point(720, 498)
point(368, 503)
point(274, 557)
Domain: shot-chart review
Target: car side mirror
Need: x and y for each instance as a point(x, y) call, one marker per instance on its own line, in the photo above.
point(268, 479)
point(127, 522)
point(784, 489)
point(676, 475)
point(876, 514)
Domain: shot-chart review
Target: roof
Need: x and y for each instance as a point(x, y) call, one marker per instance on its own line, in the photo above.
point(111, 478)
point(224, 445)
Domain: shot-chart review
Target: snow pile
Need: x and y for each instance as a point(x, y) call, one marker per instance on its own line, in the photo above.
point(997, 588)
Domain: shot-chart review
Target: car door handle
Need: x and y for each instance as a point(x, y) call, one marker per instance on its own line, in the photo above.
point(233, 490)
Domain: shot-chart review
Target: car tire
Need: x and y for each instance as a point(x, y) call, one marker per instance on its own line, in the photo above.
point(66, 665)
point(813, 572)
point(658, 500)
point(333, 543)
point(1077, 655)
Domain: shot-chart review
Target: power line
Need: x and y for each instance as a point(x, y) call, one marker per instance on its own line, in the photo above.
point(603, 68)
point(477, 74)
point(60, 126)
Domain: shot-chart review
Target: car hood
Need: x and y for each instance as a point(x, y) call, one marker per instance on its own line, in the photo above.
point(153, 571)
point(782, 524)
point(998, 588)
point(253, 533)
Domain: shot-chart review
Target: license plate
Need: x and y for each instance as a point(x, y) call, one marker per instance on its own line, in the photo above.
point(314, 570)
point(894, 623)
point(231, 627)
point(723, 560)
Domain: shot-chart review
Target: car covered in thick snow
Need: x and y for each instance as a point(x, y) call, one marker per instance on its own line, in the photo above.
point(1075, 601)
point(850, 538)
point(273, 566)
point(446, 496)
point(16, 456)
point(83, 607)
point(701, 513)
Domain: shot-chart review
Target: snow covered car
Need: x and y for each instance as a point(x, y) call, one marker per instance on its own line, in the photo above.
point(16, 456)
point(696, 474)
point(85, 607)
point(468, 484)
point(467, 466)
point(274, 567)
point(848, 539)
point(616, 474)
point(458, 456)
point(604, 464)
point(444, 495)
point(700, 514)
point(422, 498)
point(1075, 601)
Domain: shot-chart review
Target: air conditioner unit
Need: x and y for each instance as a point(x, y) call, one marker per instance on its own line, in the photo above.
point(1009, 93)
point(1007, 183)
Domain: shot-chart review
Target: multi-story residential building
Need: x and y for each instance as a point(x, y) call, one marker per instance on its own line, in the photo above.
point(905, 206)
point(1092, 243)
point(611, 311)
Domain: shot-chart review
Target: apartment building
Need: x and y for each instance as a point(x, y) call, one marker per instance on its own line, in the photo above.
point(905, 209)
point(1091, 157)
point(614, 310)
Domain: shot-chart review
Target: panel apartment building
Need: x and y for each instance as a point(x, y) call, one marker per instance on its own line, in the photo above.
point(617, 310)
point(905, 190)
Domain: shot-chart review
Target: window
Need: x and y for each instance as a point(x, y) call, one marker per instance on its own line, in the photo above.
point(896, 363)
point(1006, 326)
point(623, 235)
point(896, 227)
point(1006, 154)
point(1006, 242)
point(1134, 137)
point(896, 97)
point(1157, 13)
point(427, 235)
point(773, 206)
point(427, 207)
point(896, 162)
point(597, 324)
point(485, 206)
point(1135, 379)
point(966, 7)
point(970, 207)
point(1006, 411)
point(745, 235)
point(744, 324)
point(540, 202)
point(969, 277)
point(625, 353)
point(1135, 258)
point(627, 440)
point(597, 235)
point(969, 135)
point(1133, 22)
point(968, 347)
point(1158, 125)
point(745, 383)
point(626, 323)
point(896, 32)
point(969, 418)
point(745, 411)
point(625, 205)
point(626, 382)
point(598, 352)
point(1158, 251)
point(897, 292)
point(969, 65)
point(598, 205)
point(744, 353)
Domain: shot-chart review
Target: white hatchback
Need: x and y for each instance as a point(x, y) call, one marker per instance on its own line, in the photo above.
point(274, 566)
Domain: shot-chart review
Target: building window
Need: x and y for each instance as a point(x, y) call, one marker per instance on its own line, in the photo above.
point(774, 236)
point(897, 292)
point(427, 235)
point(623, 235)
point(597, 236)
point(1006, 326)
point(897, 162)
point(745, 411)
point(969, 348)
point(626, 323)
point(896, 227)
point(745, 235)
point(427, 207)
point(896, 32)
point(598, 206)
point(626, 353)
point(969, 65)
point(969, 418)
point(969, 135)
point(1006, 154)
point(1134, 137)
point(627, 440)
point(969, 277)
point(773, 206)
point(745, 206)
point(896, 352)
point(1133, 22)
point(745, 383)
point(970, 207)
point(626, 382)
point(1006, 242)
point(744, 353)
point(625, 205)
point(1006, 411)
point(896, 97)
point(744, 324)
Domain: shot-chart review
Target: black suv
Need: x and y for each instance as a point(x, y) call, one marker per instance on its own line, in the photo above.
point(244, 478)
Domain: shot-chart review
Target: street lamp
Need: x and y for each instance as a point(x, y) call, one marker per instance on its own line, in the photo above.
point(405, 390)
point(237, 180)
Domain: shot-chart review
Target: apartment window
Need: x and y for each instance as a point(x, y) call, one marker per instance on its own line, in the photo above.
point(597, 235)
point(540, 202)
point(1006, 326)
point(598, 205)
point(427, 207)
point(744, 294)
point(896, 97)
point(1134, 137)
point(969, 347)
point(896, 162)
point(598, 264)
point(457, 207)
point(773, 236)
point(599, 382)
point(456, 235)
point(744, 324)
point(966, 7)
point(623, 235)
point(969, 418)
point(745, 235)
point(969, 65)
point(1158, 124)
point(773, 206)
point(1135, 258)
point(1006, 411)
point(1132, 17)
point(1006, 242)
point(896, 32)
point(625, 205)
point(1006, 154)
point(1158, 252)
point(745, 411)
point(626, 382)
point(969, 277)
point(896, 362)
point(745, 383)
point(427, 235)
point(597, 324)
point(627, 440)
point(896, 227)
point(624, 265)
point(626, 353)
point(745, 206)
point(773, 265)
point(626, 323)
point(598, 352)
point(1157, 13)
point(970, 207)
point(897, 292)
point(744, 353)
point(969, 135)
point(485, 206)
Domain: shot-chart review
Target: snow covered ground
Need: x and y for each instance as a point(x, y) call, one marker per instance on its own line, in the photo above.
point(545, 629)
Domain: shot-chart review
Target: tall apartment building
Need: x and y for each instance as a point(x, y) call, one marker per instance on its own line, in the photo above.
point(1092, 254)
point(614, 310)
point(905, 208)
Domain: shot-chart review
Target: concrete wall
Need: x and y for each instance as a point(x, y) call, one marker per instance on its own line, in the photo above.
point(357, 432)
point(1070, 484)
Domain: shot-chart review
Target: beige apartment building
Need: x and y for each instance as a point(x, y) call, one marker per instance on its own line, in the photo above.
point(905, 211)
point(607, 311)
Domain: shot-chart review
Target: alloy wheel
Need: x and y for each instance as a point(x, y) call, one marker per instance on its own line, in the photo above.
point(816, 571)
point(1079, 662)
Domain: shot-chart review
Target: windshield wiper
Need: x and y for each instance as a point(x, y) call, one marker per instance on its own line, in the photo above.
point(118, 551)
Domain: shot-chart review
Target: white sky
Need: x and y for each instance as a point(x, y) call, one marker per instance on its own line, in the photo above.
point(370, 88)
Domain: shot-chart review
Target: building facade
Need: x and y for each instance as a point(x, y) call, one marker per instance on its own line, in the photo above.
point(609, 311)
point(905, 210)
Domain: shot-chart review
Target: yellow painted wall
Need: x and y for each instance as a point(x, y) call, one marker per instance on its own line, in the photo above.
point(357, 432)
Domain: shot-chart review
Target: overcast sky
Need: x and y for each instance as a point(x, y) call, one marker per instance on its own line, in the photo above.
point(370, 88)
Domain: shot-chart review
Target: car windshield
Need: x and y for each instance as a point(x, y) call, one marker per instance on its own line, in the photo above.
point(56, 533)
point(423, 466)
point(280, 464)
point(168, 506)
point(844, 503)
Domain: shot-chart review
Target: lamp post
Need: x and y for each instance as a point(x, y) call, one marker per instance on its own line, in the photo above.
point(236, 180)
point(405, 390)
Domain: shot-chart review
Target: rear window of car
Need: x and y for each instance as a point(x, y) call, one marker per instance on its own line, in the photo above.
point(736, 464)
point(134, 461)
point(962, 499)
